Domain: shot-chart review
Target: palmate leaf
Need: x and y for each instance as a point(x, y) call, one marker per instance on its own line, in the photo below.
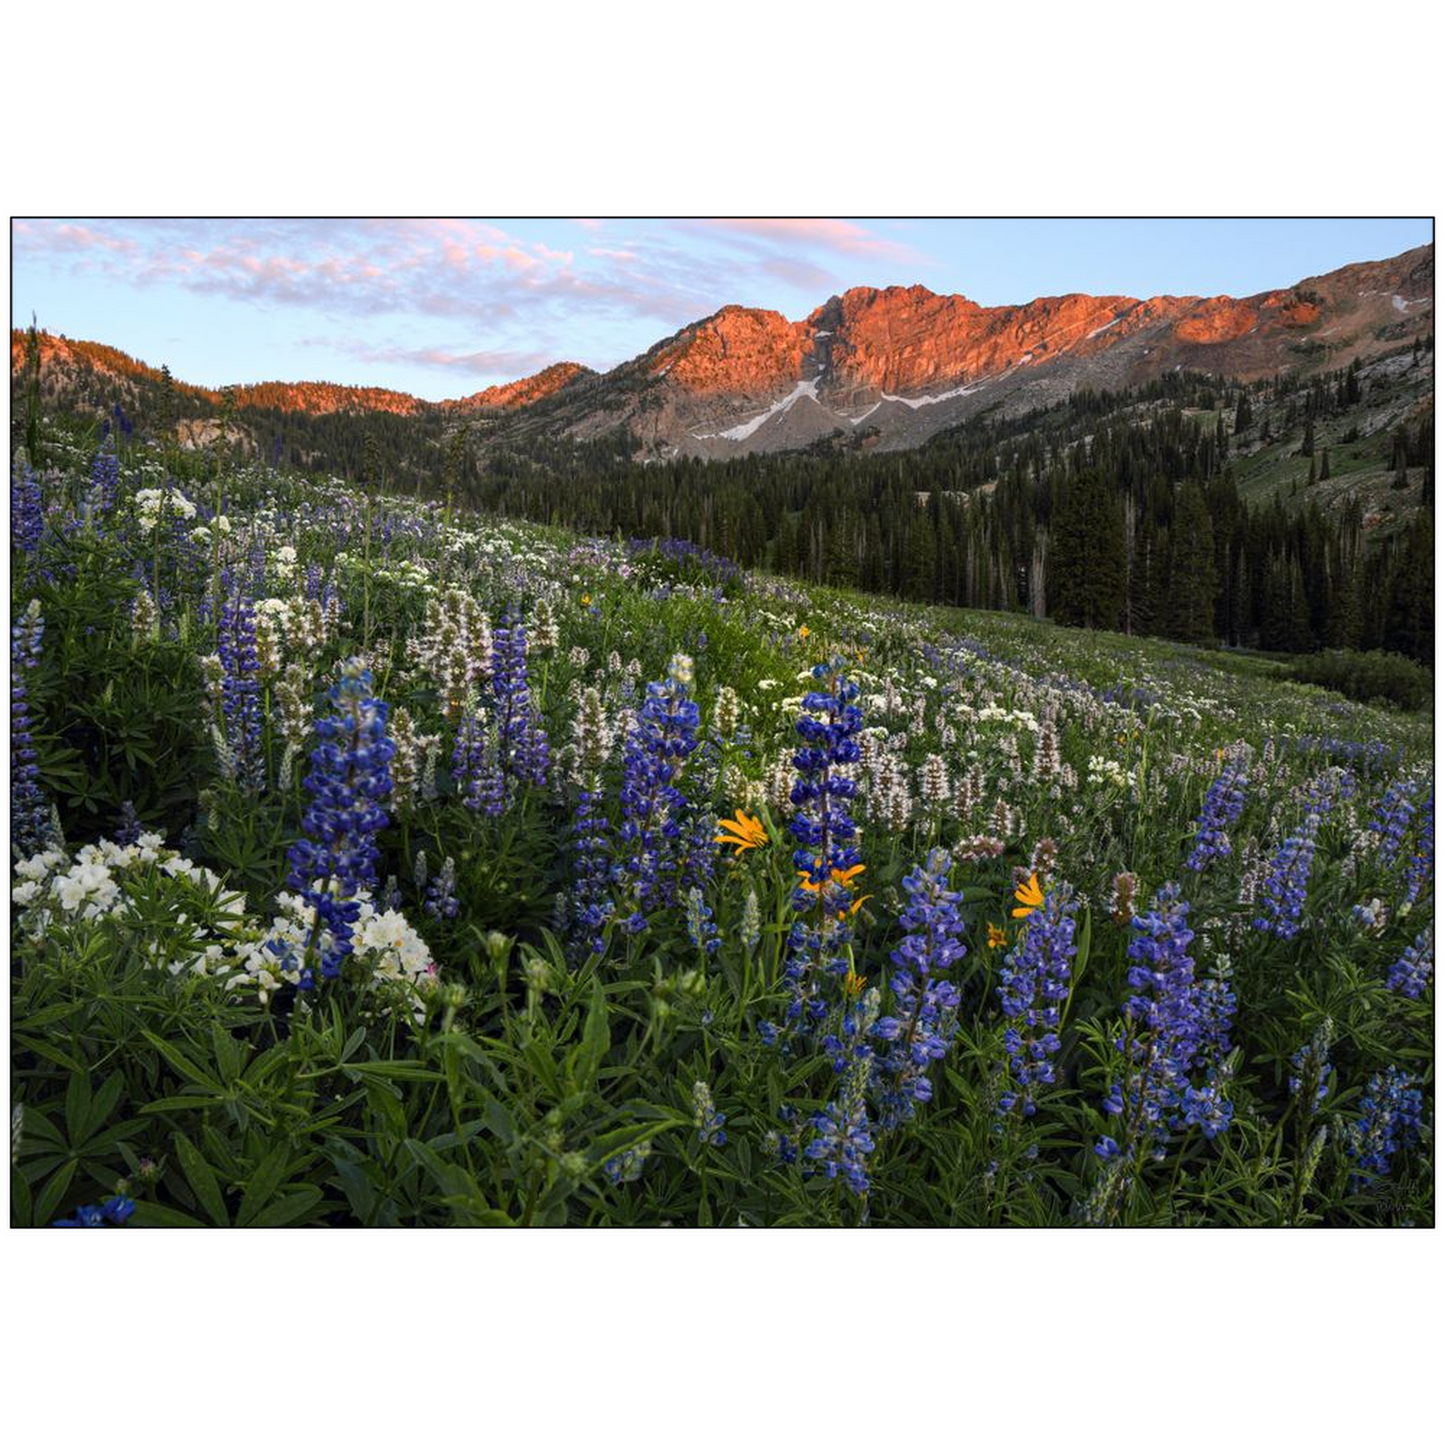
point(202, 1179)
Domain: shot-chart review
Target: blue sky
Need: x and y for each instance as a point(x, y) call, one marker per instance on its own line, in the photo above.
point(444, 307)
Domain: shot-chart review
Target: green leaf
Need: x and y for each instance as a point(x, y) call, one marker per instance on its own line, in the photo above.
point(228, 1053)
point(54, 1192)
point(184, 1066)
point(77, 1106)
point(596, 1037)
point(21, 1205)
point(158, 1216)
point(263, 1183)
point(103, 1105)
point(1086, 934)
point(202, 1179)
point(181, 1102)
point(384, 1103)
point(289, 1207)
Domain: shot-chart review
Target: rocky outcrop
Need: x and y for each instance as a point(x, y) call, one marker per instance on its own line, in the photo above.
point(529, 390)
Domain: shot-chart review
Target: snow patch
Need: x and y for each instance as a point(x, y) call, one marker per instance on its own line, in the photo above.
point(1099, 330)
point(859, 420)
point(917, 401)
point(1403, 303)
point(744, 430)
point(822, 333)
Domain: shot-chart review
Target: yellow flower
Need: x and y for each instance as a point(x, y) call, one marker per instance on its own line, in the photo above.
point(853, 983)
point(1030, 895)
point(742, 834)
point(843, 877)
point(996, 936)
point(803, 632)
point(587, 599)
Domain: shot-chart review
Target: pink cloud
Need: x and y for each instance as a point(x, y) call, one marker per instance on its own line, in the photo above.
point(505, 363)
point(824, 234)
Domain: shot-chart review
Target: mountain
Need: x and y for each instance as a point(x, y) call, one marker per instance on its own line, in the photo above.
point(870, 369)
point(530, 389)
point(890, 368)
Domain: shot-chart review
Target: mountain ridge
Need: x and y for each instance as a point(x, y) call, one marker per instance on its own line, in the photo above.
point(877, 367)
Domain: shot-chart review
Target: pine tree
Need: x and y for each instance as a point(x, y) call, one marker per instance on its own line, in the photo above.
point(1087, 564)
point(1192, 580)
point(1410, 618)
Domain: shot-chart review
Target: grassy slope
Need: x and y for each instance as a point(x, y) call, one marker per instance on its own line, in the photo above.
point(1358, 469)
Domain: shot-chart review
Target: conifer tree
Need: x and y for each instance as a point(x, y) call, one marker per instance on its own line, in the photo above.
point(1087, 562)
point(1192, 580)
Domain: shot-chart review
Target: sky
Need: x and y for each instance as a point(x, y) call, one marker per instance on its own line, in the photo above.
point(442, 308)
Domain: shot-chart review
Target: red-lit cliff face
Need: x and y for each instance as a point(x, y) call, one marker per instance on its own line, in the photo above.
point(891, 367)
point(738, 352)
point(526, 392)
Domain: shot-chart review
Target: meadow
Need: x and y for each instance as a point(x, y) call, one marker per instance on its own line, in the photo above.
point(377, 863)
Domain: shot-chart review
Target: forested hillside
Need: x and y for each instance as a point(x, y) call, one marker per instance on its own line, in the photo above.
point(1284, 515)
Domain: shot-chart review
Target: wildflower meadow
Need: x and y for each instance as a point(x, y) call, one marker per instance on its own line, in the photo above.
point(378, 863)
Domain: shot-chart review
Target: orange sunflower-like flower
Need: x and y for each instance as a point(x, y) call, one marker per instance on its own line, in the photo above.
point(843, 877)
point(742, 832)
point(996, 936)
point(1030, 895)
point(854, 983)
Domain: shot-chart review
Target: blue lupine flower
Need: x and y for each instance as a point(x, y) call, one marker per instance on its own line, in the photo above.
point(928, 1002)
point(1178, 1028)
point(128, 830)
point(521, 739)
point(1287, 882)
point(29, 811)
point(1312, 1069)
point(1223, 804)
point(350, 775)
point(441, 892)
point(1033, 984)
point(626, 1167)
point(115, 1210)
point(822, 824)
point(592, 905)
point(27, 512)
point(474, 766)
point(827, 859)
point(505, 745)
point(241, 691)
point(104, 477)
point(709, 1122)
point(1371, 916)
point(1392, 817)
point(1389, 1122)
point(700, 927)
point(654, 809)
point(1325, 789)
point(1411, 971)
point(842, 1134)
point(1421, 869)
